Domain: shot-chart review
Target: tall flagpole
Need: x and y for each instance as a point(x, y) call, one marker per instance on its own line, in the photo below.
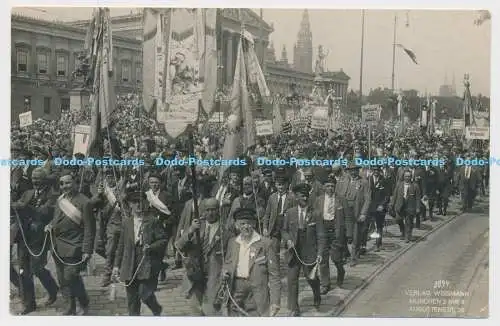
point(394, 50)
point(362, 55)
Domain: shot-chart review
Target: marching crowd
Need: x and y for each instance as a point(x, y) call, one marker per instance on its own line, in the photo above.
point(229, 231)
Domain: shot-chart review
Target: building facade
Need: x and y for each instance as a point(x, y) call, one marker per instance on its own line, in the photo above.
point(44, 55)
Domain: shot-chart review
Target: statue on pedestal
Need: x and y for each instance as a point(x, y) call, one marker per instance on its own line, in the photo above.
point(321, 61)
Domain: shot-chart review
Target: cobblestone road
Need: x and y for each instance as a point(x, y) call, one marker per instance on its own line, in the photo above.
point(445, 276)
point(174, 304)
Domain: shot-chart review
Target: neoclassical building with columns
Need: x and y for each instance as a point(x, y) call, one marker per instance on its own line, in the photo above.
point(44, 55)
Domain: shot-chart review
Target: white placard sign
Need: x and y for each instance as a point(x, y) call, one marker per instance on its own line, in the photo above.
point(371, 112)
point(457, 124)
point(264, 127)
point(25, 119)
point(217, 117)
point(320, 119)
point(482, 133)
point(82, 139)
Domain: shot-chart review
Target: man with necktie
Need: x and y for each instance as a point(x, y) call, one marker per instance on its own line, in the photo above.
point(304, 236)
point(278, 203)
point(35, 209)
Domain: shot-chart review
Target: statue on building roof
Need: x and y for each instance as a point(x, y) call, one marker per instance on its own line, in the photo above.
point(321, 60)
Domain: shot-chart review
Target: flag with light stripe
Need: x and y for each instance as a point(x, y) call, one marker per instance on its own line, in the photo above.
point(409, 52)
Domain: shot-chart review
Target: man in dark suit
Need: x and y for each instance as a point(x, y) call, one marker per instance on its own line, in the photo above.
point(330, 211)
point(179, 189)
point(140, 253)
point(468, 181)
point(316, 187)
point(266, 185)
point(429, 190)
point(73, 233)
point(380, 196)
point(445, 186)
point(304, 236)
point(405, 205)
point(204, 257)
point(160, 203)
point(356, 192)
point(279, 202)
point(33, 212)
point(251, 269)
point(20, 181)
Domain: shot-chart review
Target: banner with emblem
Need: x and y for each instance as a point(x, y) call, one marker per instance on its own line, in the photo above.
point(185, 64)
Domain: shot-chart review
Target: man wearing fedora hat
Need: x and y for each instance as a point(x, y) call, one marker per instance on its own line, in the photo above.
point(380, 195)
point(251, 269)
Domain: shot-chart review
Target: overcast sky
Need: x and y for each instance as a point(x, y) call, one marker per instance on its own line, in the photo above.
point(445, 43)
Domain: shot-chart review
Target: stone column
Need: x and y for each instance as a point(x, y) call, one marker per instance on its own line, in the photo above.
point(229, 58)
point(78, 99)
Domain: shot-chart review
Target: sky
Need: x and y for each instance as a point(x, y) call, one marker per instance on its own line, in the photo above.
point(446, 43)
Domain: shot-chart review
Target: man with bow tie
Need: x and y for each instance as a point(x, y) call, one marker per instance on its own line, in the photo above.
point(251, 270)
point(278, 203)
point(35, 209)
point(73, 233)
point(107, 203)
point(140, 254)
point(330, 210)
point(405, 205)
point(304, 236)
point(204, 258)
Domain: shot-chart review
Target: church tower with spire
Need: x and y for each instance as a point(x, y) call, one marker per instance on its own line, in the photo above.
point(303, 49)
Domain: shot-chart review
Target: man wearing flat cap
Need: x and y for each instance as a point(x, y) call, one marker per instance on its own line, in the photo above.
point(203, 245)
point(330, 210)
point(356, 192)
point(140, 254)
point(279, 202)
point(33, 212)
point(73, 232)
point(304, 236)
point(251, 269)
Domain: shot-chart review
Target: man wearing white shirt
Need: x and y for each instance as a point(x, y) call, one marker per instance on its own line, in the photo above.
point(330, 209)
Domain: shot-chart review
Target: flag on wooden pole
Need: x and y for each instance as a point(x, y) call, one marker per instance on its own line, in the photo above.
point(99, 48)
point(240, 134)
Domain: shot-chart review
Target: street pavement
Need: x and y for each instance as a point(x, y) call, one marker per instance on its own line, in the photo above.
point(174, 303)
point(444, 276)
